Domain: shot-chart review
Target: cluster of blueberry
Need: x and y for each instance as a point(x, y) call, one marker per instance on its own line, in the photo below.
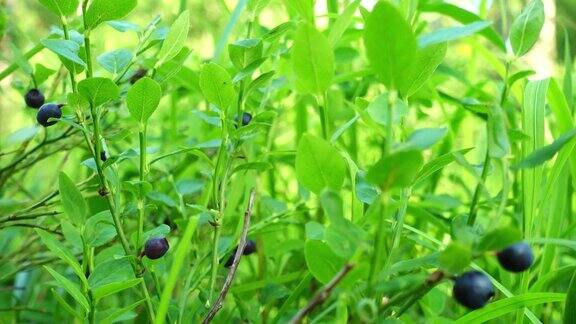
point(156, 247)
point(35, 99)
point(474, 290)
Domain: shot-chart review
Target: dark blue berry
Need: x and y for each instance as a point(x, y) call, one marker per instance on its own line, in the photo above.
point(48, 111)
point(139, 74)
point(516, 258)
point(473, 289)
point(34, 98)
point(156, 247)
point(249, 248)
point(103, 156)
point(246, 119)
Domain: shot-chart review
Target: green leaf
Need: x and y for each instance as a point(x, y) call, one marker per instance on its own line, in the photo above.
point(65, 48)
point(504, 306)
point(321, 261)
point(456, 257)
point(73, 203)
point(111, 271)
point(498, 143)
point(98, 91)
point(143, 99)
point(343, 22)
point(216, 85)
point(244, 52)
point(423, 139)
point(443, 35)
point(396, 170)
point(60, 8)
point(390, 44)
point(42, 73)
point(344, 238)
point(543, 154)
point(70, 287)
point(65, 305)
point(312, 59)
point(112, 288)
point(427, 61)
point(257, 5)
point(171, 68)
point(175, 39)
point(319, 165)
point(115, 61)
point(100, 229)
point(106, 10)
point(116, 313)
point(465, 17)
point(499, 239)
point(526, 28)
point(61, 252)
point(569, 309)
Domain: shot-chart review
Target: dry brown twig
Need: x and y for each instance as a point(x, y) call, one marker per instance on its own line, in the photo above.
point(230, 277)
point(322, 294)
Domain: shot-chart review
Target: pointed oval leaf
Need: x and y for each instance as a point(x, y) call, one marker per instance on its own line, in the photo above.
point(61, 7)
point(319, 165)
point(526, 28)
point(65, 48)
point(427, 61)
point(106, 10)
point(143, 99)
point(443, 35)
point(312, 59)
point(175, 39)
point(73, 203)
point(98, 91)
point(61, 252)
point(216, 85)
point(396, 170)
point(321, 261)
point(70, 287)
point(115, 61)
point(390, 43)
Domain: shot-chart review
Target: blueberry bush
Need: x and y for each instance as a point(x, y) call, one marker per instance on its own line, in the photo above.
point(287, 161)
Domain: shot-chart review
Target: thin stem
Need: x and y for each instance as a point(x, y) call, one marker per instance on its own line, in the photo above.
point(236, 261)
point(380, 239)
point(217, 231)
point(399, 226)
point(474, 205)
point(322, 295)
point(476, 198)
point(419, 291)
point(104, 190)
point(67, 36)
point(322, 110)
point(142, 195)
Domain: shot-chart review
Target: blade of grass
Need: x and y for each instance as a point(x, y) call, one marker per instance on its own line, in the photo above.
point(174, 275)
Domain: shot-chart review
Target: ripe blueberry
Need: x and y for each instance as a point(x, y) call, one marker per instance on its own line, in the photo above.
point(249, 248)
point(516, 258)
point(156, 247)
point(246, 118)
point(48, 111)
point(103, 156)
point(473, 289)
point(34, 98)
point(139, 74)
